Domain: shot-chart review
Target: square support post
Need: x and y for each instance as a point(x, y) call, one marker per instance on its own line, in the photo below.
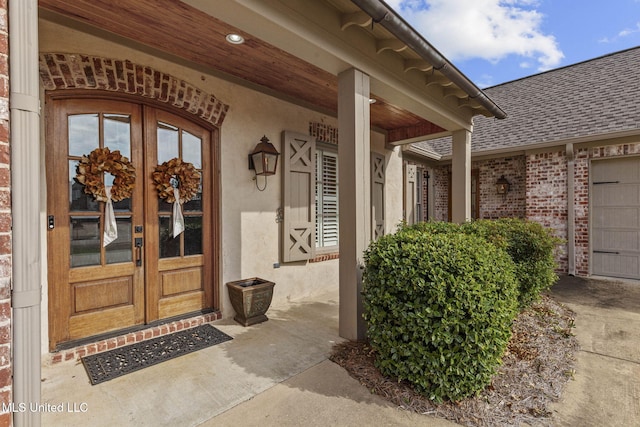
point(354, 197)
point(461, 177)
point(25, 208)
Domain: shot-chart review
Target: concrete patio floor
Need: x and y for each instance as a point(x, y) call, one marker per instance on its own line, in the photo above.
point(606, 388)
point(277, 374)
point(274, 373)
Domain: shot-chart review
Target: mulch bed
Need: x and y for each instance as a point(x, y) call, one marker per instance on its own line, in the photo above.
point(539, 361)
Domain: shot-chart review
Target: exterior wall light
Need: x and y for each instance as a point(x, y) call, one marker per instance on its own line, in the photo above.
point(502, 185)
point(263, 160)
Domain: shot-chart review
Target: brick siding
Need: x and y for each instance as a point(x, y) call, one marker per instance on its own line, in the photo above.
point(424, 199)
point(323, 132)
point(547, 195)
point(538, 193)
point(581, 211)
point(76, 71)
point(492, 204)
point(441, 190)
point(5, 223)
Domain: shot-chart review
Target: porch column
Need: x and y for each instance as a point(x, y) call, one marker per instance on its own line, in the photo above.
point(25, 198)
point(354, 197)
point(461, 177)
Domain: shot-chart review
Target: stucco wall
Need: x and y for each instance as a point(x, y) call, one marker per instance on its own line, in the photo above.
point(251, 235)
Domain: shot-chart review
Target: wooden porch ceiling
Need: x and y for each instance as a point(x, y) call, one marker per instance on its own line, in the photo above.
point(168, 26)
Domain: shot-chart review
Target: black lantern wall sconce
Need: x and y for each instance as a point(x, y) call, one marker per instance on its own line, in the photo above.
point(502, 185)
point(263, 160)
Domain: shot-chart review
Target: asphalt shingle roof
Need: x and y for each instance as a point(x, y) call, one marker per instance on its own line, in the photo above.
point(594, 97)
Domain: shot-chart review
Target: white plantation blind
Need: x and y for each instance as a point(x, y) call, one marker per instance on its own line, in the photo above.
point(326, 198)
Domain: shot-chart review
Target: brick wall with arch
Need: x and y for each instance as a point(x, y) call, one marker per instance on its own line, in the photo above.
point(59, 71)
point(62, 71)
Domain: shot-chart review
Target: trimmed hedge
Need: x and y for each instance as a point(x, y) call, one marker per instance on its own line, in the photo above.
point(439, 308)
point(530, 246)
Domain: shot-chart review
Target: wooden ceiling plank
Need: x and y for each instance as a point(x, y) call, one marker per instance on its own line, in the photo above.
point(161, 24)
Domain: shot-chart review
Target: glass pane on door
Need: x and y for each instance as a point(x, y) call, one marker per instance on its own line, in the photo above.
point(117, 133)
point(85, 241)
point(79, 201)
point(120, 249)
point(87, 132)
point(169, 246)
point(168, 144)
point(176, 142)
point(192, 149)
point(84, 133)
point(193, 235)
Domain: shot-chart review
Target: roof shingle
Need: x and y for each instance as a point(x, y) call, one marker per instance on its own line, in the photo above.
point(594, 97)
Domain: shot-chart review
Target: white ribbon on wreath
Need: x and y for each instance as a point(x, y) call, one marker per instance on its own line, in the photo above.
point(178, 218)
point(110, 225)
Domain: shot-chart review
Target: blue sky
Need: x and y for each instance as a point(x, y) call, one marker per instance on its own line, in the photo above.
point(496, 41)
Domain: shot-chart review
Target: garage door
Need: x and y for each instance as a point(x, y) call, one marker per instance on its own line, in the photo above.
point(615, 217)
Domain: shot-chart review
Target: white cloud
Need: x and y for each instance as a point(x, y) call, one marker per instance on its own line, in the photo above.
point(485, 80)
point(487, 29)
point(629, 31)
point(623, 33)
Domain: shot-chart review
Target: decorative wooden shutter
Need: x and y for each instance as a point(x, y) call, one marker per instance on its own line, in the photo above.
point(298, 194)
point(377, 195)
point(410, 194)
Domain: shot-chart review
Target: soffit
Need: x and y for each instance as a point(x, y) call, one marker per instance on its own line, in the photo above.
point(413, 100)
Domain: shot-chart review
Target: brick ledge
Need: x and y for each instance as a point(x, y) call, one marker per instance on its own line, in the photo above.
point(325, 257)
point(76, 353)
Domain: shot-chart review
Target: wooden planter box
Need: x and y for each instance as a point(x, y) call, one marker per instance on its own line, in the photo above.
point(250, 299)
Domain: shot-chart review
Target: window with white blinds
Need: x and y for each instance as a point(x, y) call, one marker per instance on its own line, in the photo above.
point(326, 198)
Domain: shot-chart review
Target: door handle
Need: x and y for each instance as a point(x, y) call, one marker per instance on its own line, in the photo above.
point(138, 245)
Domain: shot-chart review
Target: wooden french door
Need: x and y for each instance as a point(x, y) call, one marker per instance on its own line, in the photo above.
point(145, 274)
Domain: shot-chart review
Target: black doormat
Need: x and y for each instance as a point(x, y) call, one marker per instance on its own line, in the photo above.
point(120, 361)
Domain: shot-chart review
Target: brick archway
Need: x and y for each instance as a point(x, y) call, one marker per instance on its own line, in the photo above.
point(79, 71)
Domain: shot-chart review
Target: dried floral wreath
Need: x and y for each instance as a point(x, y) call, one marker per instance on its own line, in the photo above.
point(91, 168)
point(175, 173)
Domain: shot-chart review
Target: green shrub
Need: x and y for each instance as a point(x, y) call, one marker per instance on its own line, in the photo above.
point(531, 247)
point(439, 308)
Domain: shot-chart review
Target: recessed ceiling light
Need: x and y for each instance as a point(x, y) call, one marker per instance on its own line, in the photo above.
point(235, 38)
point(372, 101)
